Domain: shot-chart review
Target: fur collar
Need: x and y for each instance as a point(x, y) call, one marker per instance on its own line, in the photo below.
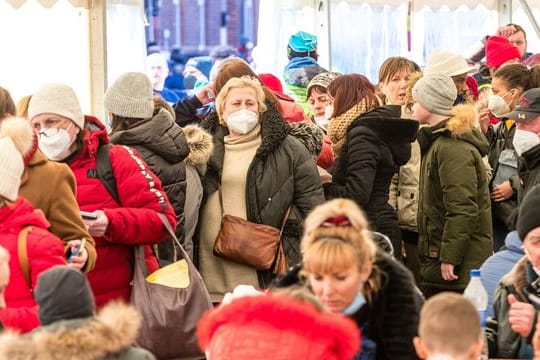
point(462, 125)
point(200, 145)
point(273, 130)
point(110, 332)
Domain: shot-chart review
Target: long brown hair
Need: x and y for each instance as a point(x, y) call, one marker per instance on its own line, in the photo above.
point(349, 90)
point(235, 68)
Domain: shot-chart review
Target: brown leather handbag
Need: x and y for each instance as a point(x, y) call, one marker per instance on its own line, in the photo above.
point(252, 244)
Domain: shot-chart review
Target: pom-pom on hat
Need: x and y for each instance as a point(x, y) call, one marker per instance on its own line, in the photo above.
point(130, 96)
point(303, 42)
point(448, 63)
point(436, 93)
point(56, 99)
point(499, 50)
point(16, 139)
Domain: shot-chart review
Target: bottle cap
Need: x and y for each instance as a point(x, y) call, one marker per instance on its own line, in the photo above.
point(475, 272)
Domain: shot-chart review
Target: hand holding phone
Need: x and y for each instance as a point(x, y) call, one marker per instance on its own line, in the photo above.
point(76, 251)
point(88, 215)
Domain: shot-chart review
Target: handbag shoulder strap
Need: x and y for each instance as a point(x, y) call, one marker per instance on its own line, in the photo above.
point(23, 256)
point(287, 214)
point(169, 228)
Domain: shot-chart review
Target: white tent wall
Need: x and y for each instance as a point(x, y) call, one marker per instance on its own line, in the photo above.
point(43, 45)
point(362, 33)
point(85, 44)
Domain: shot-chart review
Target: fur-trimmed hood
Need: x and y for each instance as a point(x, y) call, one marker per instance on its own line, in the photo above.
point(200, 145)
point(273, 130)
point(110, 332)
point(462, 125)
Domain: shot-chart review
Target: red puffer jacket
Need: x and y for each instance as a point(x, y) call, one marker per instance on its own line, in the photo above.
point(134, 221)
point(44, 250)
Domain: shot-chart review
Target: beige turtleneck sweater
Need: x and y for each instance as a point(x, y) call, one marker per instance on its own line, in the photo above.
point(220, 275)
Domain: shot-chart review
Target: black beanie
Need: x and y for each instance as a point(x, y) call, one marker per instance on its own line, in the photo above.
point(529, 210)
point(63, 293)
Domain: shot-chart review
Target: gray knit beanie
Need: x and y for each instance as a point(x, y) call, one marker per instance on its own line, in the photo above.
point(56, 99)
point(63, 293)
point(130, 96)
point(436, 93)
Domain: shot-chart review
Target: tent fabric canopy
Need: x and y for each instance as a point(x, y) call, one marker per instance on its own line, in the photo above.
point(433, 4)
point(49, 3)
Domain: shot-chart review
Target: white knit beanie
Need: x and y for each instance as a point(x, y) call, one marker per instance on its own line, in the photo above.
point(56, 99)
point(436, 93)
point(16, 137)
point(130, 96)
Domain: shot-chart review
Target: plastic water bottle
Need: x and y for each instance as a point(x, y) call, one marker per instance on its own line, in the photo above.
point(477, 294)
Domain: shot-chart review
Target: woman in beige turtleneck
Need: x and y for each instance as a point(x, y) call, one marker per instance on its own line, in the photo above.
point(262, 171)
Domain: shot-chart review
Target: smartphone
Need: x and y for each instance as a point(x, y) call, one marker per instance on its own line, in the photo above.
point(76, 251)
point(88, 215)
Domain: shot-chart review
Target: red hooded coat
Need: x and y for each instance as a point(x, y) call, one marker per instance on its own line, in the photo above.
point(133, 222)
point(44, 251)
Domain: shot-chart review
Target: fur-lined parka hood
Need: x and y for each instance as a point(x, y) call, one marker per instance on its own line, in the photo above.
point(112, 331)
point(200, 145)
point(462, 125)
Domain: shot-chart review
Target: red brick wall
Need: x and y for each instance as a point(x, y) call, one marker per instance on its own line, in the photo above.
point(189, 30)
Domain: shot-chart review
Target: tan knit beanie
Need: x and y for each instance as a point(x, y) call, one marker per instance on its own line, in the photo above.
point(16, 137)
point(130, 96)
point(56, 99)
point(436, 93)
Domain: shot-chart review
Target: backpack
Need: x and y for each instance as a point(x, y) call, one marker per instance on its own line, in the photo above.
point(105, 172)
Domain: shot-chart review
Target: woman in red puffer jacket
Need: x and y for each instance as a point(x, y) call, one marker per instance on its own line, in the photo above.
point(68, 136)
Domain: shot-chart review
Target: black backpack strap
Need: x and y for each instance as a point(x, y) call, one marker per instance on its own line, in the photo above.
point(105, 172)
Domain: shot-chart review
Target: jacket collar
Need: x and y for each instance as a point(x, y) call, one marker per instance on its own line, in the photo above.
point(273, 130)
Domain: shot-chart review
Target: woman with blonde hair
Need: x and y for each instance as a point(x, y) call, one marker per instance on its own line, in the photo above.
point(257, 172)
point(350, 276)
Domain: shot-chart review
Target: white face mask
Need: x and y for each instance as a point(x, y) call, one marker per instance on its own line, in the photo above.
point(55, 143)
point(242, 121)
point(323, 120)
point(524, 140)
point(497, 105)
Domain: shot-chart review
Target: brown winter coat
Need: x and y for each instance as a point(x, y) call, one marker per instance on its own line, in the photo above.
point(50, 186)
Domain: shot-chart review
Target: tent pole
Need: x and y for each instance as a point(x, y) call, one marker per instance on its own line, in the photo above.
point(527, 9)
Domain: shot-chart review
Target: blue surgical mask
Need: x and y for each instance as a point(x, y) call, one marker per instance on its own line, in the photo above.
point(357, 303)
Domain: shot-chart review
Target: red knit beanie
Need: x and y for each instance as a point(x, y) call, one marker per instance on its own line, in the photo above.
point(276, 327)
point(500, 50)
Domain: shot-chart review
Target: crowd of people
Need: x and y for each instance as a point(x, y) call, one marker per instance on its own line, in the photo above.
point(383, 197)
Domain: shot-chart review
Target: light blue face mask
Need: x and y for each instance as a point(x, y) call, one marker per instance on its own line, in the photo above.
point(357, 303)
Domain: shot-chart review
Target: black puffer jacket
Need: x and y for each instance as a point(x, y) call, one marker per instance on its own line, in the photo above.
point(378, 143)
point(282, 174)
point(162, 144)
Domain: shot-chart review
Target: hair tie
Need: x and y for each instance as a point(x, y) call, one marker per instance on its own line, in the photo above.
point(341, 220)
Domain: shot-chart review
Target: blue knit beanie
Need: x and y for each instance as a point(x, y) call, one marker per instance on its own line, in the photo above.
point(201, 63)
point(303, 41)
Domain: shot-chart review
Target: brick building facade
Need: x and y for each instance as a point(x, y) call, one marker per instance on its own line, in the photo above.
point(180, 23)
